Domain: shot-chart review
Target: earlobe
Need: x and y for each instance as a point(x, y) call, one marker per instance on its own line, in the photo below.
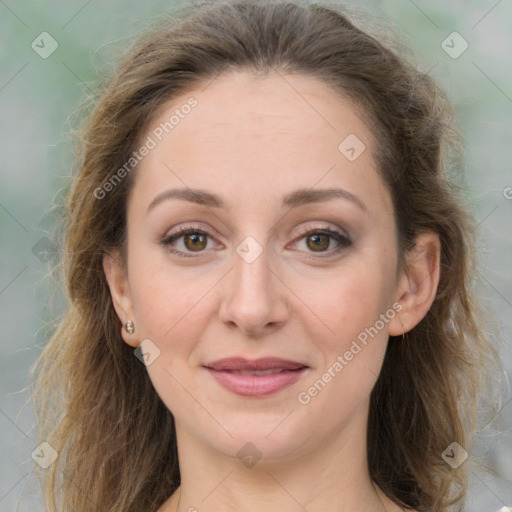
point(417, 286)
point(117, 280)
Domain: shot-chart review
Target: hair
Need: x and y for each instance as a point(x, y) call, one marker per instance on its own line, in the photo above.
point(94, 400)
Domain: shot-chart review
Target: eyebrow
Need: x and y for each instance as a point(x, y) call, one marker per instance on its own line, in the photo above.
point(297, 198)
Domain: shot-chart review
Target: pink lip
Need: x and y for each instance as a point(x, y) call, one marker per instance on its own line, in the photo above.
point(265, 363)
point(226, 373)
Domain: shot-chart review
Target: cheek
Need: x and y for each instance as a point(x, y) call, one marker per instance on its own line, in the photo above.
point(351, 300)
point(170, 311)
point(355, 336)
point(166, 299)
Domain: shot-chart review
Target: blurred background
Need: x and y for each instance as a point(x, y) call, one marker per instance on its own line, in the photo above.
point(52, 54)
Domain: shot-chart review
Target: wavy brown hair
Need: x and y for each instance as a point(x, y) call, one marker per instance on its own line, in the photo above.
point(95, 403)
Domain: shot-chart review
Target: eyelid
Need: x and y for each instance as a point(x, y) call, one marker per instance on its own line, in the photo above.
point(305, 230)
point(188, 227)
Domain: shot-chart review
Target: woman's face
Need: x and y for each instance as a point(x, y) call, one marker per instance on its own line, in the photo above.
point(289, 252)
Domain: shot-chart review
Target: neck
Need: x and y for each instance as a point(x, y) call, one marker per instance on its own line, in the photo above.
point(332, 477)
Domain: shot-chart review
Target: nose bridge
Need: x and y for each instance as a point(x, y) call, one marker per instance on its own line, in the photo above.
point(251, 267)
point(251, 299)
point(251, 273)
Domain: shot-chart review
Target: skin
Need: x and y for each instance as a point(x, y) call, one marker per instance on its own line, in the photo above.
point(252, 140)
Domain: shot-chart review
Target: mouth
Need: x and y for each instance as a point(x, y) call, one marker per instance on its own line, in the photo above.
point(256, 365)
point(257, 372)
point(257, 378)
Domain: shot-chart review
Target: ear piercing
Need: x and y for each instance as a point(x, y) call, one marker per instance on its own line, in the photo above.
point(129, 327)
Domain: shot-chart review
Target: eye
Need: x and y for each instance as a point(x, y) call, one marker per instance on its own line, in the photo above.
point(319, 239)
point(194, 240)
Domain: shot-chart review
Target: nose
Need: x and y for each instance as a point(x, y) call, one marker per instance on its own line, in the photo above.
point(253, 296)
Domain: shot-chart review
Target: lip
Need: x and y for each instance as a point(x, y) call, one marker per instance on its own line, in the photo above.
point(234, 374)
point(264, 363)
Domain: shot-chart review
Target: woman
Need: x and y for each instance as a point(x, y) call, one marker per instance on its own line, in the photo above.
point(269, 277)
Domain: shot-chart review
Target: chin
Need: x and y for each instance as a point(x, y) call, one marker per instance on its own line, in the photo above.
point(268, 440)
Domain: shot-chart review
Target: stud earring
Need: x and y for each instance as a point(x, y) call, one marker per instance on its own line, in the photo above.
point(129, 327)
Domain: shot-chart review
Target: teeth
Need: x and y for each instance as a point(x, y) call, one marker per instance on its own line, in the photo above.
point(256, 372)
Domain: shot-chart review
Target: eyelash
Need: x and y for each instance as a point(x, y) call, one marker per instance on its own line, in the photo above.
point(343, 240)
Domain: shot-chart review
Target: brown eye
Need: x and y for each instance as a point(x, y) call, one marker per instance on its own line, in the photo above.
point(318, 241)
point(195, 241)
point(323, 242)
point(187, 241)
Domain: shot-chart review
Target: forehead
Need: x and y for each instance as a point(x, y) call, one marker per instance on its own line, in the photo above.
point(249, 132)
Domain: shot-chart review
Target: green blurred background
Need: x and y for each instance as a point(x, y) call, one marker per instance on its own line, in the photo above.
point(38, 105)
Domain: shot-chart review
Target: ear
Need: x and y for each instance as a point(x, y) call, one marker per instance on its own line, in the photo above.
point(417, 284)
point(117, 280)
